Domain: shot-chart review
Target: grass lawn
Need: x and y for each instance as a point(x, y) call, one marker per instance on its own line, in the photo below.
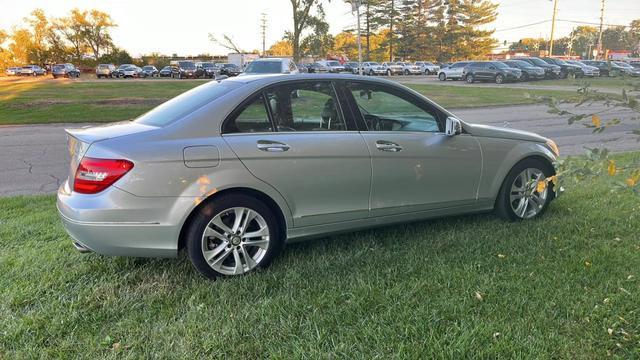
point(48, 101)
point(566, 285)
point(599, 82)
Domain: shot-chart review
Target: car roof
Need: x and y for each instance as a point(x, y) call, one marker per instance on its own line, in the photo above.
point(266, 79)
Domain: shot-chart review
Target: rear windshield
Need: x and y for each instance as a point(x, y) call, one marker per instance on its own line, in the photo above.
point(58, 67)
point(187, 65)
point(264, 67)
point(186, 103)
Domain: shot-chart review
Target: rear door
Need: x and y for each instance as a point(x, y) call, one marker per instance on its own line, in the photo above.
point(415, 167)
point(294, 137)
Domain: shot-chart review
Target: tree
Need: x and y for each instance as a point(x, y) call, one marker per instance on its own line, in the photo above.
point(532, 45)
point(585, 39)
point(319, 41)
point(464, 39)
point(116, 56)
point(302, 19)
point(227, 42)
point(281, 48)
point(95, 30)
point(616, 38)
point(71, 29)
point(385, 15)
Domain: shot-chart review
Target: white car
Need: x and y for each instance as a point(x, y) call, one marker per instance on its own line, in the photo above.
point(410, 69)
point(271, 66)
point(333, 66)
point(453, 71)
point(372, 68)
point(428, 68)
point(13, 71)
point(391, 68)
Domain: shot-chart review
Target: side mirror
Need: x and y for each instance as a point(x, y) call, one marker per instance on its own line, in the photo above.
point(453, 126)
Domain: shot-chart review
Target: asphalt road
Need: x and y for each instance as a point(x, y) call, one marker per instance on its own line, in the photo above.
point(34, 159)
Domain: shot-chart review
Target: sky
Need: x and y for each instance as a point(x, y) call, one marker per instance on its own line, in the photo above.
point(156, 26)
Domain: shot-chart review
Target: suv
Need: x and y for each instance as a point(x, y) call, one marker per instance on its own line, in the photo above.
point(626, 69)
point(183, 69)
point(529, 72)
point(372, 68)
point(391, 68)
point(32, 70)
point(64, 70)
point(490, 71)
point(206, 70)
point(427, 67)
point(149, 71)
point(551, 71)
point(453, 71)
point(566, 69)
point(588, 70)
point(105, 70)
point(333, 66)
point(229, 69)
point(410, 69)
point(271, 66)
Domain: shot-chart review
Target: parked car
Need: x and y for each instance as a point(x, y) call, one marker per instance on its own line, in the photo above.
point(373, 68)
point(64, 70)
point(490, 71)
point(233, 170)
point(271, 66)
point(566, 69)
point(105, 70)
point(183, 69)
point(551, 71)
point(635, 64)
point(230, 70)
point(165, 72)
point(350, 66)
point(409, 68)
point(207, 70)
point(453, 71)
point(428, 68)
point(627, 69)
point(392, 68)
point(149, 71)
point(589, 71)
point(32, 70)
point(127, 71)
point(317, 68)
point(13, 71)
point(334, 66)
point(602, 66)
point(529, 72)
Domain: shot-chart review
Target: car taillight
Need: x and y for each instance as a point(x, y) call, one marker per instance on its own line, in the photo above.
point(94, 175)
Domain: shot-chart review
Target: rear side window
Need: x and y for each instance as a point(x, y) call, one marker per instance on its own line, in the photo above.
point(253, 117)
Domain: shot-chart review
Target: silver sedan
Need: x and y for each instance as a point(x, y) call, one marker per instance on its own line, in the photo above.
point(234, 169)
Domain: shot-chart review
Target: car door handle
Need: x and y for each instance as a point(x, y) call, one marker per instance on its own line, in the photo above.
point(272, 146)
point(384, 145)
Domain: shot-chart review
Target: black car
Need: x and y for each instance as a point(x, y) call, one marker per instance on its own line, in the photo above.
point(490, 71)
point(529, 72)
point(149, 71)
point(351, 67)
point(183, 70)
point(65, 70)
point(566, 69)
point(230, 69)
point(165, 72)
point(206, 70)
point(550, 71)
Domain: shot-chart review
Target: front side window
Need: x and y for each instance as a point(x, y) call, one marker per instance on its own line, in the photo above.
point(253, 117)
point(308, 106)
point(388, 110)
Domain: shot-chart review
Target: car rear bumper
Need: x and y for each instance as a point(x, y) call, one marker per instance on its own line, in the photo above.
point(117, 223)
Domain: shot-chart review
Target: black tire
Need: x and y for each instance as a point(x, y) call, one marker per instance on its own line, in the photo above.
point(525, 77)
point(370, 72)
point(442, 77)
point(406, 72)
point(502, 205)
point(469, 79)
point(499, 79)
point(388, 72)
point(210, 210)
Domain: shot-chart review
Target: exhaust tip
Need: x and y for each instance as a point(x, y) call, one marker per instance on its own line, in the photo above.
point(81, 248)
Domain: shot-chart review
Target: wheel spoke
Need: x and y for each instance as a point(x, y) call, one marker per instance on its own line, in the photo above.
point(264, 231)
point(247, 258)
point(217, 221)
point(537, 201)
point(210, 232)
point(218, 262)
point(239, 267)
point(210, 254)
point(247, 220)
point(263, 244)
point(239, 213)
point(522, 207)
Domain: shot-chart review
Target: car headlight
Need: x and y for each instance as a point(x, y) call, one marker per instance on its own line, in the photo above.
point(553, 147)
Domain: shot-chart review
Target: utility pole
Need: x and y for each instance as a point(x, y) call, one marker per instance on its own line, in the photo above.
point(600, 34)
point(553, 26)
point(356, 4)
point(263, 32)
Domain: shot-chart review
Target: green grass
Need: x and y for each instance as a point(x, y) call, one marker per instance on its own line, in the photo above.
point(49, 101)
point(547, 288)
point(599, 82)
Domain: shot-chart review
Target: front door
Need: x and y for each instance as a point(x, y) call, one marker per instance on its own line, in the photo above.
point(294, 137)
point(415, 167)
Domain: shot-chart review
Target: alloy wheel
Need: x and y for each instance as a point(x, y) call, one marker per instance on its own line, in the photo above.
point(235, 241)
point(525, 199)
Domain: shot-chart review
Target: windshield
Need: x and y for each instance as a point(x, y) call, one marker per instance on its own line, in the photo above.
point(623, 64)
point(207, 65)
point(186, 103)
point(373, 63)
point(559, 62)
point(264, 67)
point(187, 65)
point(148, 67)
point(58, 67)
point(333, 63)
point(538, 62)
point(103, 66)
point(166, 68)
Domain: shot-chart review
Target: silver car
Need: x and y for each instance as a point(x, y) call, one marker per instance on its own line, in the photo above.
point(234, 169)
point(454, 71)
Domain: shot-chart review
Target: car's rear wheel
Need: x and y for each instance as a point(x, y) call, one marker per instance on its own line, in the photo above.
point(233, 235)
point(442, 77)
point(520, 196)
point(469, 78)
point(499, 79)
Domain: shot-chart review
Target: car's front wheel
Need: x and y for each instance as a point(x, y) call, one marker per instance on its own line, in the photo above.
point(499, 79)
point(522, 196)
point(469, 78)
point(442, 77)
point(233, 235)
